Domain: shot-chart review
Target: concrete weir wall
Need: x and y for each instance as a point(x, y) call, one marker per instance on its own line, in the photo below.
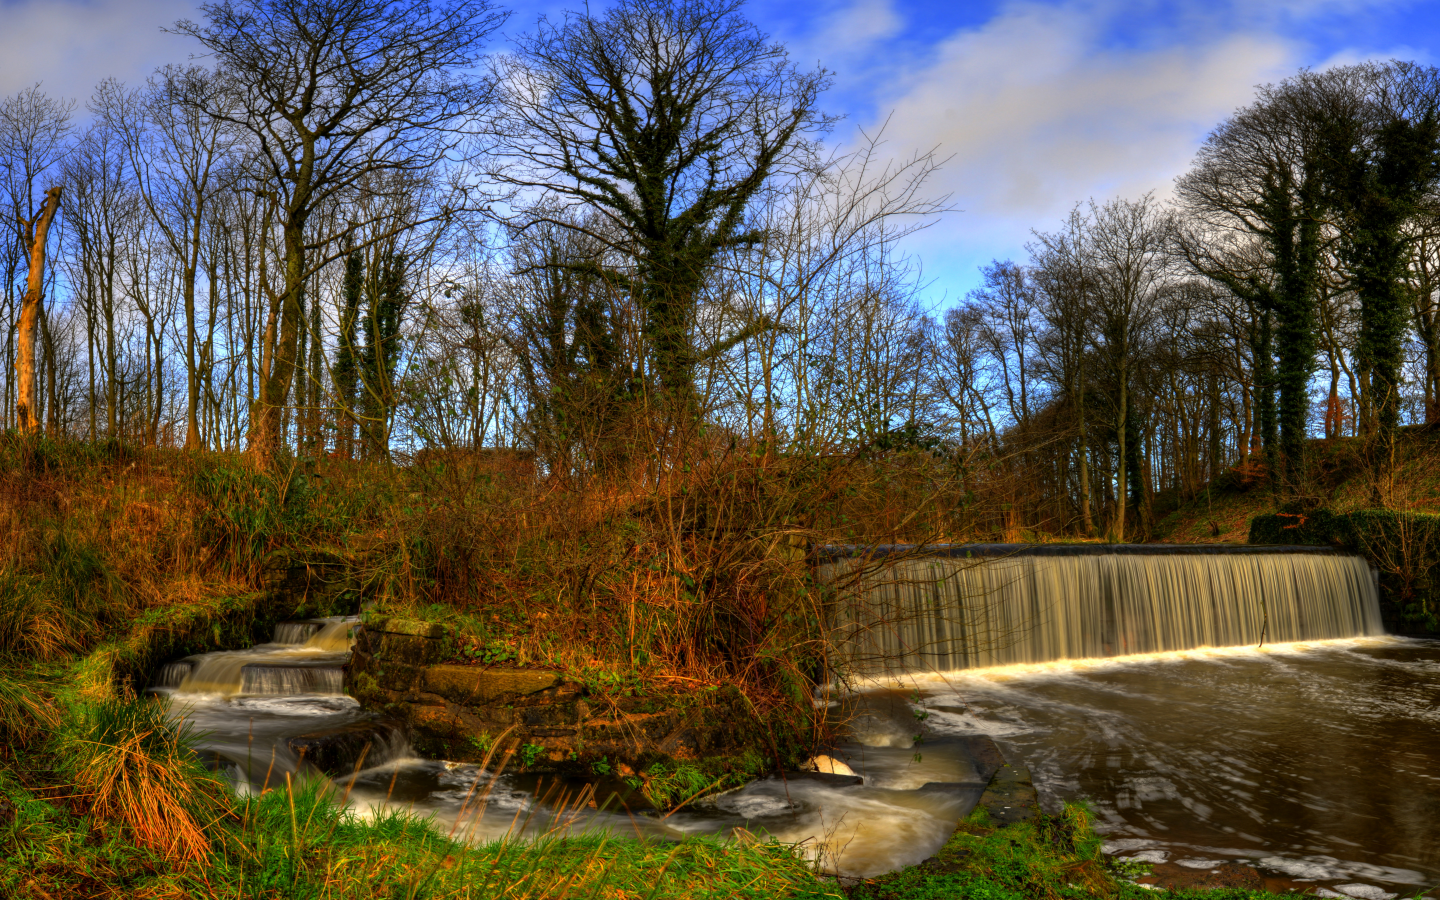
point(457, 711)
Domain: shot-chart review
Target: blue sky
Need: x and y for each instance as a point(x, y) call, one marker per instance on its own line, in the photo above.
point(1038, 104)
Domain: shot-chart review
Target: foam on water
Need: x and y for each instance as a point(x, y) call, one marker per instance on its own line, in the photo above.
point(1311, 760)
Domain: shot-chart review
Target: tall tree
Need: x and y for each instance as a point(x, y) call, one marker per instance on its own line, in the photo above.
point(177, 153)
point(334, 93)
point(381, 353)
point(669, 119)
point(347, 351)
point(1261, 173)
point(1383, 160)
point(1129, 242)
point(33, 132)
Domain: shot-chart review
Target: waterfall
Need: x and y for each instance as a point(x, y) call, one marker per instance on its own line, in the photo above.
point(334, 636)
point(280, 680)
point(990, 605)
point(173, 674)
point(295, 632)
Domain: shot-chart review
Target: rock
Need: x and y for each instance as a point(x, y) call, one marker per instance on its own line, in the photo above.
point(337, 751)
point(1172, 876)
point(829, 765)
point(826, 778)
point(475, 685)
point(1010, 797)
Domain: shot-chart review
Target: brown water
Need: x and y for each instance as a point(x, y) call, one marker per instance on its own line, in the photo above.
point(1318, 763)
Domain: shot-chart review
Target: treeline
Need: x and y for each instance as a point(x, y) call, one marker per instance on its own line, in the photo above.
point(1288, 292)
point(364, 228)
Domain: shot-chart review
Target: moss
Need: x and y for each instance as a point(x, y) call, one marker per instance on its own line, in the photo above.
point(1403, 546)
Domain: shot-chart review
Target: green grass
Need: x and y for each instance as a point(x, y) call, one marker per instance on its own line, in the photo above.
point(296, 842)
point(1054, 858)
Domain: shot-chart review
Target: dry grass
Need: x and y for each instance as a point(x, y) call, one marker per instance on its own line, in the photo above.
point(128, 766)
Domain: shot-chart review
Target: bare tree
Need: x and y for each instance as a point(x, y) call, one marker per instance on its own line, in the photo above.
point(177, 153)
point(669, 119)
point(332, 92)
point(1130, 242)
point(33, 132)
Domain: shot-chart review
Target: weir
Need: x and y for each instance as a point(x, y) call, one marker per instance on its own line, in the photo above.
point(905, 610)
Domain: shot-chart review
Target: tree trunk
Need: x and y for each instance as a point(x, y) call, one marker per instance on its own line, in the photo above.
point(268, 421)
point(36, 232)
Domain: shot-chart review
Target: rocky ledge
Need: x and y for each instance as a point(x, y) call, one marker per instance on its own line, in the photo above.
point(457, 712)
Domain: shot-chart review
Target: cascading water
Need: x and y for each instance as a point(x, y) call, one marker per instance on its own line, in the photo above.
point(249, 707)
point(1212, 704)
point(991, 605)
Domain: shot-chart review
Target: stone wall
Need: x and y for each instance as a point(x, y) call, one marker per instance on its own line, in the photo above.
point(456, 712)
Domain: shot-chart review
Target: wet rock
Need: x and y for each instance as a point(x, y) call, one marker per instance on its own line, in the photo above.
point(831, 779)
point(1010, 797)
point(1173, 876)
point(827, 764)
point(337, 751)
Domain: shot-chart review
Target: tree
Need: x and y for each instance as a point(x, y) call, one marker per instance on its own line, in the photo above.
point(669, 119)
point(1065, 286)
point(177, 153)
point(332, 94)
point(1129, 244)
point(381, 352)
point(1382, 161)
point(1261, 174)
point(33, 132)
point(346, 371)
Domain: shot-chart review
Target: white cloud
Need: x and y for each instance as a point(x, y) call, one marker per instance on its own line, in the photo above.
point(70, 45)
point(849, 38)
point(1040, 108)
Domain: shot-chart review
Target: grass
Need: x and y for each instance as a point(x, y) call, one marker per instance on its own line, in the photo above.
point(126, 812)
point(1053, 858)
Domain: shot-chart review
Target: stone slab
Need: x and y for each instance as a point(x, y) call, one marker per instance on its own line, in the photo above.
point(1011, 797)
point(410, 627)
point(468, 684)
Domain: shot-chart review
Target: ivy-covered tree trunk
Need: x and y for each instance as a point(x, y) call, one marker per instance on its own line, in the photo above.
point(1379, 185)
point(382, 353)
point(1295, 244)
point(346, 371)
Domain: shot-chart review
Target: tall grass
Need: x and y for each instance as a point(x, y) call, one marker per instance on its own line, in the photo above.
point(127, 765)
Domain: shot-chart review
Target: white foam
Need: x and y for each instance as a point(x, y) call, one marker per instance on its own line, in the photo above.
point(756, 806)
point(1365, 891)
point(1067, 668)
point(1147, 856)
point(1200, 863)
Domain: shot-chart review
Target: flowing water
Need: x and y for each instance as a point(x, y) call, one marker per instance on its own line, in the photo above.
point(246, 704)
point(1318, 763)
point(1315, 760)
point(989, 605)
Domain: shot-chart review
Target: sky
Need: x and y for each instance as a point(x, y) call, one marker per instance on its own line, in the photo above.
point(1035, 105)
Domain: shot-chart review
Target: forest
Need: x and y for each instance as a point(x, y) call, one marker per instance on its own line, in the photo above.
point(489, 402)
point(371, 233)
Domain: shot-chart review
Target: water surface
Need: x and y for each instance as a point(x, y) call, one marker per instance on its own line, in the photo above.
point(1317, 762)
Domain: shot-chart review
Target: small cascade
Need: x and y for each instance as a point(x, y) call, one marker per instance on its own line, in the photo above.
point(215, 673)
point(304, 658)
point(999, 605)
point(295, 633)
point(333, 637)
point(172, 675)
point(280, 680)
